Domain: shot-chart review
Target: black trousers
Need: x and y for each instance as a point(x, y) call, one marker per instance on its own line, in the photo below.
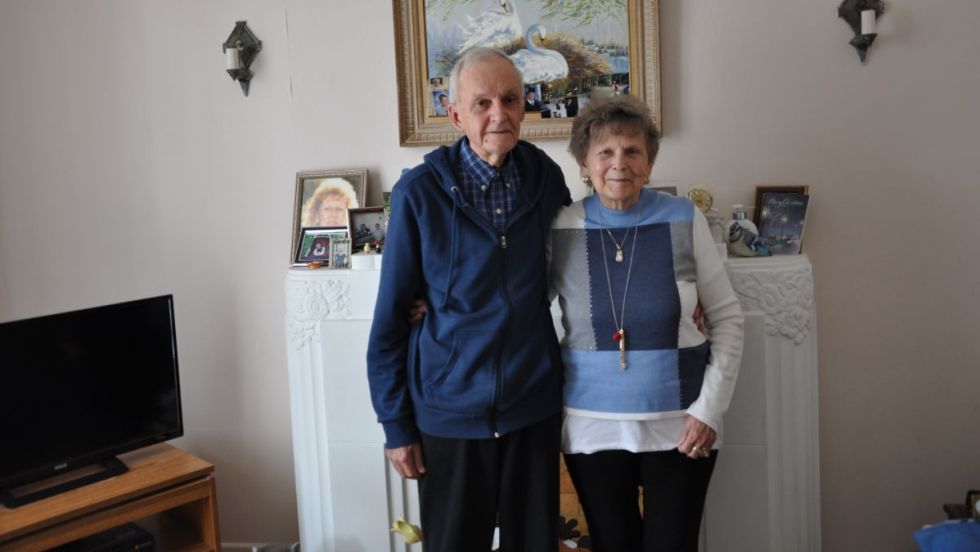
point(470, 484)
point(674, 489)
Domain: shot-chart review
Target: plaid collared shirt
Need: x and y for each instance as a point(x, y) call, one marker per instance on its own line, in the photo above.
point(490, 191)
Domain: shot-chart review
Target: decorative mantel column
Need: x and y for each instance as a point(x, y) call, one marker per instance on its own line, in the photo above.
point(781, 289)
point(766, 491)
point(765, 494)
point(346, 491)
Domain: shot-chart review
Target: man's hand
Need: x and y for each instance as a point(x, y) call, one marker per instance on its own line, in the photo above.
point(407, 460)
point(698, 318)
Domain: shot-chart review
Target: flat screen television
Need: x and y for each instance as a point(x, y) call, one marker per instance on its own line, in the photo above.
point(78, 388)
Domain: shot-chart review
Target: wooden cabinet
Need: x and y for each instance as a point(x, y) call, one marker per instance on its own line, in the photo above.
point(166, 490)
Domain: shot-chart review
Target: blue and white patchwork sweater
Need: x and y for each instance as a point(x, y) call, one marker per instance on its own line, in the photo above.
point(672, 369)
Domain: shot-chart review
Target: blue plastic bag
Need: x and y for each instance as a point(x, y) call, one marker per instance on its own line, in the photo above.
point(949, 536)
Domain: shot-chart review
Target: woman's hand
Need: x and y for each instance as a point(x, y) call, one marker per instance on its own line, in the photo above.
point(417, 312)
point(697, 438)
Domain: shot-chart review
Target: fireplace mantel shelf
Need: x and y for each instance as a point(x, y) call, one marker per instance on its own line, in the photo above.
point(765, 491)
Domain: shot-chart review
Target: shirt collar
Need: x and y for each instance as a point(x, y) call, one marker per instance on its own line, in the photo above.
point(477, 168)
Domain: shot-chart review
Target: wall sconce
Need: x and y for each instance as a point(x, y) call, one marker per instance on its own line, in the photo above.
point(240, 49)
point(862, 16)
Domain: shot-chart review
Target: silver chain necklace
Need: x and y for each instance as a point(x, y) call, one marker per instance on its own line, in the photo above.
point(619, 248)
point(619, 321)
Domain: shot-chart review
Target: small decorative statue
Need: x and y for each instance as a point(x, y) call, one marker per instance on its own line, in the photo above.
point(411, 533)
point(716, 225)
point(702, 198)
point(743, 242)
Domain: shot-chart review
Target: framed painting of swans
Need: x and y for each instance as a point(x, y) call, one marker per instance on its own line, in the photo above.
point(569, 54)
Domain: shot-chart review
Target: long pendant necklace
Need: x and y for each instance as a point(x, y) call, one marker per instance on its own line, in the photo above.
point(620, 321)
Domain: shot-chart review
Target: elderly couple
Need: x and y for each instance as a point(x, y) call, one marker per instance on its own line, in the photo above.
point(478, 398)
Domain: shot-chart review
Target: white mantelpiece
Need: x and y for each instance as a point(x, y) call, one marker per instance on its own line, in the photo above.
point(765, 492)
point(346, 492)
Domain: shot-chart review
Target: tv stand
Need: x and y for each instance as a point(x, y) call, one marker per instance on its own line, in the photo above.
point(166, 490)
point(25, 494)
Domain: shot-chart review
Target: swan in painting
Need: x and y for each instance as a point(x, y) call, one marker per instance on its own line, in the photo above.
point(491, 29)
point(539, 64)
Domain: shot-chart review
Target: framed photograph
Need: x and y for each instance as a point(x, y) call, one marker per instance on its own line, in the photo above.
point(340, 253)
point(780, 213)
point(569, 54)
point(323, 198)
point(315, 244)
point(366, 226)
point(386, 201)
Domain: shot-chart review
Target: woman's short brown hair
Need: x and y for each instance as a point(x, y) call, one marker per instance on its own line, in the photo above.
point(617, 114)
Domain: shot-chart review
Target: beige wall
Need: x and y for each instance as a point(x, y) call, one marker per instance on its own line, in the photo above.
point(129, 161)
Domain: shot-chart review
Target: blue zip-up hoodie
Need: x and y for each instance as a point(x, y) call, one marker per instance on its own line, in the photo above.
point(485, 360)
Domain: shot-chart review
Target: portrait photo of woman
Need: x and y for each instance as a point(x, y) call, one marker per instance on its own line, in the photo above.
point(328, 204)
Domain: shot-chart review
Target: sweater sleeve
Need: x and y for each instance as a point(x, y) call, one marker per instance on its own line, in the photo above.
point(561, 197)
point(723, 320)
point(388, 345)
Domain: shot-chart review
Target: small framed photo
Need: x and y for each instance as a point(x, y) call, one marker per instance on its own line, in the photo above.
point(340, 253)
point(316, 244)
point(780, 213)
point(323, 198)
point(386, 200)
point(367, 226)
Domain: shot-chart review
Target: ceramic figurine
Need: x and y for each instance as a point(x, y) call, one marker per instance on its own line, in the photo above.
point(411, 533)
point(743, 242)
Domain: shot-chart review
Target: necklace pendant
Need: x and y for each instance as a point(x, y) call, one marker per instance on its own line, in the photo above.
point(619, 255)
point(622, 349)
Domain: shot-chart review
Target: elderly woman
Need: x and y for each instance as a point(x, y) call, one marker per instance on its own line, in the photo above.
point(645, 390)
point(328, 204)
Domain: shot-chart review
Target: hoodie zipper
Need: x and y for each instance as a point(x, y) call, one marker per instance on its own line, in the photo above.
point(503, 339)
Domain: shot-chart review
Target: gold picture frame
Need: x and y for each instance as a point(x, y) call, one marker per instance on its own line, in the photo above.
point(418, 87)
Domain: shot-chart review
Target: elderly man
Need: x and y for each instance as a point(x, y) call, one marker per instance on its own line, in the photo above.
point(470, 398)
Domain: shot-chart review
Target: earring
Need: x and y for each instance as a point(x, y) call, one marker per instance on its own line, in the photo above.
point(586, 180)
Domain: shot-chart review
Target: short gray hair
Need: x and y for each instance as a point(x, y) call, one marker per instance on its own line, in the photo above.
point(475, 55)
point(619, 114)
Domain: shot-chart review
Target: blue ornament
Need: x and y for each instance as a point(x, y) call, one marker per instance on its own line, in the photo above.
point(743, 242)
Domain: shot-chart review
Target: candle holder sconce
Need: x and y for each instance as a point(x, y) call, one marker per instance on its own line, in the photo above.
point(861, 15)
point(240, 49)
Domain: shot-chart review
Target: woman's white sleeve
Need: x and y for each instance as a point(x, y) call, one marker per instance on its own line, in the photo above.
point(724, 322)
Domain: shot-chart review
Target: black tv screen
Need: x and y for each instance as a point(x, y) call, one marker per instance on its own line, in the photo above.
point(80, 387)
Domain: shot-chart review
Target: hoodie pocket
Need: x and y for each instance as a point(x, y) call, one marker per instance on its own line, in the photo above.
point(466, 382)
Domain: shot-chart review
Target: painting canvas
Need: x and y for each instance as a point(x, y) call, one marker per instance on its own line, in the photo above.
point(561, 57)
point(569, 53)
